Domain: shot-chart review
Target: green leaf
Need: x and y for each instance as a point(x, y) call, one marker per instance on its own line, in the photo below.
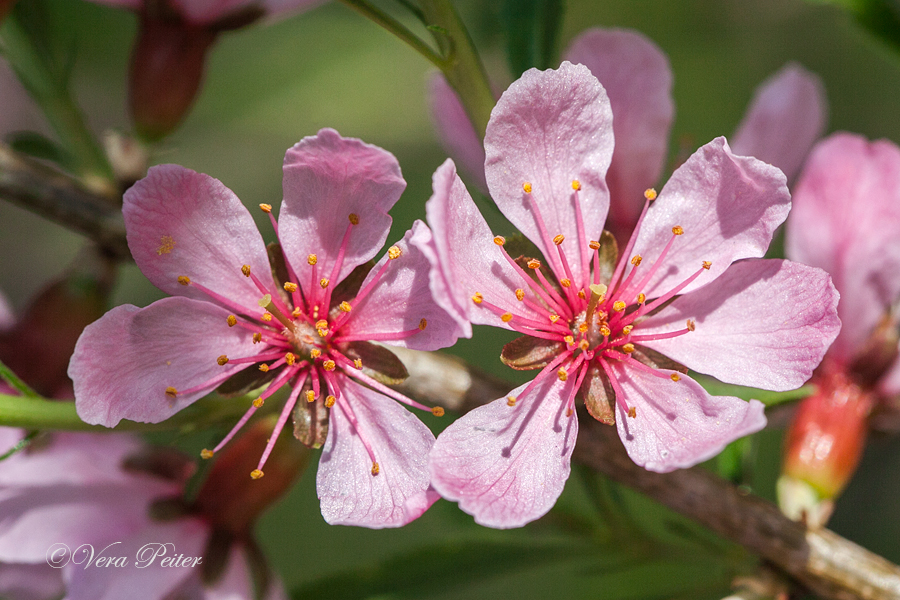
point(880, 17)
point(532, 28)
point(35, 145)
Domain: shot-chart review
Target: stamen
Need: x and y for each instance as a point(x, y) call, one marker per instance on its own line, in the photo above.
point(477, 297)
point(338, 261)
point(206, 454)
point(394, 253)
point(582, 237)
point(345, 307)
point(323, 283)
point(527, 187)
point(634, 234)
point(499, 240)
point(670, 294)
point(222, 360)
point(562, 374)
point(255, 359)
point(351, 416)
point(675, 377)
point(246, 270)
point(650, 194)
point(231, 320)
point(353, 218)
point(282, 419)
point(357, 362)
point(256, 474)
point(171, 392)
point(266, 208)
point(437, 411)
point(312, 259)
point(233, 306)
point(520, 294)
point(310, 396)
point(290, 287)
point(391, 393)
point(257, 338)
point(537, 289)
point(510, 400)
point(330, 400)
point(423, 323)
point(678, 230)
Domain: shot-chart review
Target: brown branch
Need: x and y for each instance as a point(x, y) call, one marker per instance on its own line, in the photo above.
point(823, 561)
point(62, 199)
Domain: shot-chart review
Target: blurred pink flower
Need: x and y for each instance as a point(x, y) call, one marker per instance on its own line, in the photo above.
point(846, 220)
point(311, 329)
point(785, 118)
point(605, 334)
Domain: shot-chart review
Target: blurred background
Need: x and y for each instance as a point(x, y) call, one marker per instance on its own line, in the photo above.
point(268, 86)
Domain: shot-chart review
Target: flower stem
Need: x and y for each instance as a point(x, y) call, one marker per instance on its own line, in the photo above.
point(28, 47)
point(397, 28)
point(462, 68)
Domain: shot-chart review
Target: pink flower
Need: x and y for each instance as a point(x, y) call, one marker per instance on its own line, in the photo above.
point(846, 220)
point(309, 330)
point(613, 336)
point(784, 119)
point(70, 494)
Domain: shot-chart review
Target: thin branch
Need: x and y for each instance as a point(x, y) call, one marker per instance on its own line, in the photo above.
point(62, 199)
point(824, 562)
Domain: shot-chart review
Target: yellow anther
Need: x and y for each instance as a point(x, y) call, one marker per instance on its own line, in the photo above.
point(315, 353)
point(569, 340)
point(632, 412)
point(584, 345)
point(581, 294)
point(641, 298)
point(576, 185)
point(354, 218)
point(246, 270)
point(375, 468)
point(257, 338)
point(593, 245)
point(266, 317)
point(266, 207)
point(678, 230)
point(604, 331)
point(290, 287)
point(256, 474)
point(329, 365)
point(394, 252)
point(437, 411)
point(636, 259)
point(534, 264)
point(690, 325)
point(171, 392)
point(258, 402)
point(423, 324)
point(527, 187)
point(345, 306)
point(619, 306)
point(510, 400)
point(290, 358)
point(322, 332)
point(329, 401)
point(650, 194)
point(707, 264)
point(296, 312)
point(499, 240)
point(627, 329)
point(222, 360)
point(675, 377)
point(312, 259)
point(231, 320)
point(206, 454)
point(310, 396)
point(566, 282)
point(506, 317)
point(562, 374)
point(166, 245)
point(569, 412)
point(357, 362)
point(184, 280)
point(559, 239)
point(628, 348)
point(265, 300)
point(554, 318)
point(264, 368)
point(477, 297)
point(520, 294)
point(321, 324)
point(324, 282)
point(582, 327)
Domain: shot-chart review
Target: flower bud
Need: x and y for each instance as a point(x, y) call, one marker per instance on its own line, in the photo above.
point(823, 447)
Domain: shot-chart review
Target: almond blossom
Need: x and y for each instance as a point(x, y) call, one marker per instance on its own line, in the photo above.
point(612, 336)
point(786, 116)
point(305, 325)
point(846, 220)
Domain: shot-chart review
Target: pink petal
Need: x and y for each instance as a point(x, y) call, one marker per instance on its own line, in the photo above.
point(455, 131)
point(506, 466)
point(349, 493)
point(202, 12)
point(187, 537)
point(124, 362)
point(402, 299)
point(237, 583)
point(785, 118)
point(637, 77)
point(764, 324)
point(30, 582)
point(7, 316)
point(326, 179)
point(183, 223)
point(729, 206)
point(846, 220)
point(677, 424)
point(548, 129)
point(889, 384)
point(464, 257)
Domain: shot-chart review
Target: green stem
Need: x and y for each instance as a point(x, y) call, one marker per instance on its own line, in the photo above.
point(462, 66)
point(26, 46)
point(397, 28)
point(30, 412)
point(7, 375)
